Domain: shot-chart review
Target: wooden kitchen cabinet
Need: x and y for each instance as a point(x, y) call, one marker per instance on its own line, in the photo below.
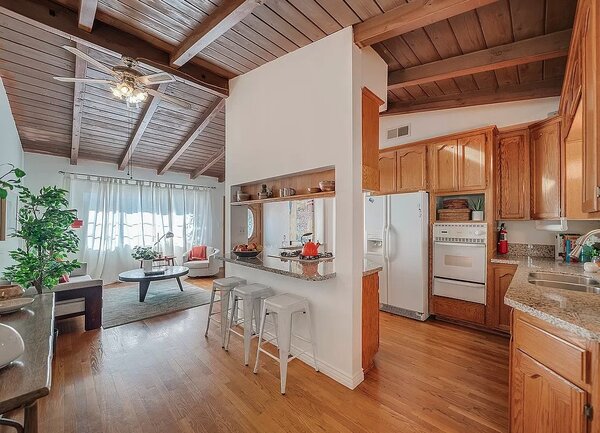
point(545, 153)
point(445, 166)
point(370, 320)
point(370, 140)
point(387, 172)
point(411, 169)
point(497, 312)
point(471, 162)
point(512, 175)
point(550, 381)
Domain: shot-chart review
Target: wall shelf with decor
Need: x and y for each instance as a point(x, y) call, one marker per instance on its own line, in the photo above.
point(458, 212)
point(322, 194)
point(296, 186)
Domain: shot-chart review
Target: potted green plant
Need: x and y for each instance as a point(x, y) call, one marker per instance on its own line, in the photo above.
point(45, 228)
point(477, 209)
point(146, 255)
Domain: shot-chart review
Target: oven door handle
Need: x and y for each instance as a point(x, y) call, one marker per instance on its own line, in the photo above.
point(460, 283)
point(454, 244)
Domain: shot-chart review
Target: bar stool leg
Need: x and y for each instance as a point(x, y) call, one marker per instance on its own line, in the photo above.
point(256, 311)
point(234, 300)
point(263, 319)
point(248, 306)
point(210, 309)
point(312, 337)
point(225, 296)
point(284, 339)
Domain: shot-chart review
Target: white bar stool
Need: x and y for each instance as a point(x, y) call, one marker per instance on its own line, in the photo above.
point(224, 286)
point(252, 296)
point(285, 306)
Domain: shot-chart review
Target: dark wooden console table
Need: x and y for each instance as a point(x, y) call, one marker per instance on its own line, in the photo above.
point(29, 377)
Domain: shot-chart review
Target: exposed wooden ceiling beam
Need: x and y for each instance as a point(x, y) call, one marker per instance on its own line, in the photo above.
point(208, 115)
point(60, 20)
point(516, 53)
point(141, 126)
point(539, 89)
point(216, 24)
point(212, 161)
point(87, 14)
point(410, 16)
point(80, 68)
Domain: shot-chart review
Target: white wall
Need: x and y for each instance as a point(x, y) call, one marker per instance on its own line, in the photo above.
point(293, 114)
point(43, 170)
point(12, 153)
point(524, 232)
point(442, 122)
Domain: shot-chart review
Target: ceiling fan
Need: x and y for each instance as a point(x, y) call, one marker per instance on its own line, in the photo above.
point(128, 83)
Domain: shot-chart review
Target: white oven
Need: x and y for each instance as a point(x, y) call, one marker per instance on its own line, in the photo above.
point(459, 261)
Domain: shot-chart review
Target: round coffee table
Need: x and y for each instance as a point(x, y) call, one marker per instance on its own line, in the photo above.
point(138, 276)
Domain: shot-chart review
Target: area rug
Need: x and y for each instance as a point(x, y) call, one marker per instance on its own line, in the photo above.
point(121, 303)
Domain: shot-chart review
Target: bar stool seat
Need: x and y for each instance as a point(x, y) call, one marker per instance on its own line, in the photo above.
point(252, 296)
point(224, 287)
point(284, 306)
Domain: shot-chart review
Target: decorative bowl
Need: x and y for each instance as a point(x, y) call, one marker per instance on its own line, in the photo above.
point(8, 291)
point(11, 345)
point(13, 305)
point(327, 185)
point(313, 190)
point(243, 196)
point(246, 253)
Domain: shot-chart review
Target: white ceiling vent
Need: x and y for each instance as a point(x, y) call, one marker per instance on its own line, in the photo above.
point(401, 131)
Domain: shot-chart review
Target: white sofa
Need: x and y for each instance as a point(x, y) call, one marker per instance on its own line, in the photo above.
point(81, 296)
point(203, 268)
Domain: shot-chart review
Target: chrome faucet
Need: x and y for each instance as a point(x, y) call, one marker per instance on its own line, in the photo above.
point(575, 252)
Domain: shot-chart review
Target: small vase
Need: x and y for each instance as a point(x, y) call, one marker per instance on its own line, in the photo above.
point(147, 265)
point(477, 215)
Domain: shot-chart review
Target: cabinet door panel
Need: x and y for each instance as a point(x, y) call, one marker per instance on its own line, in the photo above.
point(542, 401)
point(591, 110)
point(471, 168)
point(545, 171)
point(512, 189)
point(370, 140)
point(445, 166)
point(387, 172)
point(502, 276)
point(411, 169)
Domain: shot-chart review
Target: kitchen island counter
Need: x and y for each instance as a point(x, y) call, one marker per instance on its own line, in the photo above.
point(305, 270)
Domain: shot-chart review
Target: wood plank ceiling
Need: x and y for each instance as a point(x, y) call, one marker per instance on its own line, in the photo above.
point(43, 107)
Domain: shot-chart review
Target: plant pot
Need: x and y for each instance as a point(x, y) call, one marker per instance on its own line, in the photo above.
point(147, 265)
point(477, 215)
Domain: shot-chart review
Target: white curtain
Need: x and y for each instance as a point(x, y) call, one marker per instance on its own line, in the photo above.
point(119, 215)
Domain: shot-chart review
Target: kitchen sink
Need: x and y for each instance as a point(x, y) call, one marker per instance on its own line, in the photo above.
point(578, 283)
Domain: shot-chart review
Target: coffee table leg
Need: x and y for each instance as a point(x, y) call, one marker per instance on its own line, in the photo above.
point(143, 289)
point(30, 418)
point(179, 282)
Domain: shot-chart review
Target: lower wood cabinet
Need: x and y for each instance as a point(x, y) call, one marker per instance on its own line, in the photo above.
point(497, 312)
point(551, 390)
point(370, 320)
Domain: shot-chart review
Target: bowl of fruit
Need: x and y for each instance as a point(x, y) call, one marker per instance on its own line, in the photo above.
point(250, 250)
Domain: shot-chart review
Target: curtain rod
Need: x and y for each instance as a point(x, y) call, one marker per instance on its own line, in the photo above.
point(136, 180)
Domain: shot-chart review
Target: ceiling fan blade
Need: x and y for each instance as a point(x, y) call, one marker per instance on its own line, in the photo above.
point(159, 78)
point(171, 99)
point(82, 80)
point(89, 59)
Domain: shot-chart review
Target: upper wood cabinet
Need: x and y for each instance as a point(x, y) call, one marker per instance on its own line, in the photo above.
point(545, 169)
point(411, 169)
point(445, 166)
point(460, 164)
point(370, 140)
point(512, 175)
point(387, 172)
point(590, 55)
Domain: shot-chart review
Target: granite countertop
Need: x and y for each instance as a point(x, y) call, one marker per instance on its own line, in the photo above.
point(370, 268)
point(577, 312)
point(305, 270)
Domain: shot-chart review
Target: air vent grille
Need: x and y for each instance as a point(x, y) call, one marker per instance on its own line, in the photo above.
point(401, 131)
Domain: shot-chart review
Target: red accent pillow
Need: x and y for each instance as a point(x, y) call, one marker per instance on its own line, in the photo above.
point(198, 253)
point(64, 278)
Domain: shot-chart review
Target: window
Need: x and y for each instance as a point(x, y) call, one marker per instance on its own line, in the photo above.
point(250, 223)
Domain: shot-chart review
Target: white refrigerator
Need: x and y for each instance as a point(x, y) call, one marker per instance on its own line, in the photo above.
point(396, 237)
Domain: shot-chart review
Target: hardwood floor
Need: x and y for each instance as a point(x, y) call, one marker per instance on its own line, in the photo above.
point(162, 375)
